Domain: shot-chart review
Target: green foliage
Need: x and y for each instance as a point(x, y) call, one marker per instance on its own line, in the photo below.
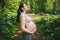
point(7, 27)
point(8, 23)
point(49, 27)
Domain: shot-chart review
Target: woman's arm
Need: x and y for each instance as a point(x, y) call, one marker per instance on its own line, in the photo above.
point(22, 20)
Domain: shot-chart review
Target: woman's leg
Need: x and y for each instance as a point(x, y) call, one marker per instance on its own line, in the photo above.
point(27, 36)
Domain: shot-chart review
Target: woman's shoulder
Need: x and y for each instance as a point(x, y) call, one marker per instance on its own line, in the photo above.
point(23, 15)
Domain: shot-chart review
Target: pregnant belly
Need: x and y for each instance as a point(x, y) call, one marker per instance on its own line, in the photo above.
point(30, 26)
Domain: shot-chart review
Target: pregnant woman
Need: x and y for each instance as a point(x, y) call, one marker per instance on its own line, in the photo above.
point(28, 27)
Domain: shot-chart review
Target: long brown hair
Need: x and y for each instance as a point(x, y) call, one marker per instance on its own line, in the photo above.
point(19, 12)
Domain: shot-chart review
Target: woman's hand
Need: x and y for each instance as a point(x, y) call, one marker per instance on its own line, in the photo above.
point(32, 32)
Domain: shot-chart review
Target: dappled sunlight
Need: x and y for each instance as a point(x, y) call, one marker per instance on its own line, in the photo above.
point(45, 13)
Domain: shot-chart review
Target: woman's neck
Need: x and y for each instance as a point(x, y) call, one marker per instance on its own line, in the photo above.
point(24, 12)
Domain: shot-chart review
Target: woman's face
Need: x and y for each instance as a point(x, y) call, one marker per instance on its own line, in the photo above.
point(25, 7)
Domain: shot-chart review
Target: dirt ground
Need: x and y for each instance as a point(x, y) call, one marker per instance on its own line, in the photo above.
point(18, 36)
